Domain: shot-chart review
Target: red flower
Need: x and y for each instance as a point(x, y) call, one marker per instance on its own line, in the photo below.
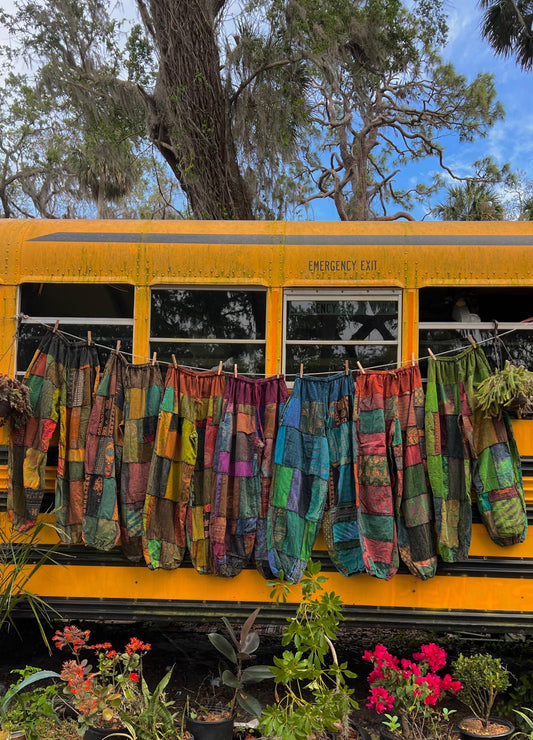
point(449, 685)
point(135, 644)
point(134, 676)
point(433, 655)
point(380, 699)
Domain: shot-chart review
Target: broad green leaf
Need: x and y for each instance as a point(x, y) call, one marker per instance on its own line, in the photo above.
point(223, 646)
point(14, 690)
point(230, 679)
point(256, 673)
point(250, 704)
point(250, 643)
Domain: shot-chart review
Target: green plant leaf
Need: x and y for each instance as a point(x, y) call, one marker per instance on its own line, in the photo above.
point(223, 646)
point(230, 679)
point(250, 643)
point(231, 633)
point(17, 688)
point(256, 673)
point(249, 704)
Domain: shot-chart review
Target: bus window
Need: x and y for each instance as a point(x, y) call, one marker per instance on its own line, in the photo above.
point(448, 315)
point(325, 328)
point(106, 310)
point(204, 326)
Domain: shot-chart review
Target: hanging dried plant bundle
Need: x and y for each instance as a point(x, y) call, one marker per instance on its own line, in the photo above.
point(510, 389)
point(15, 405)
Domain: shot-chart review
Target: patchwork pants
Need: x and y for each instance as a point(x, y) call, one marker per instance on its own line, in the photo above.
point(178, 505)
point(120, 443)
point(313, 474)
point(243, 467)
point(62, 378)
point(142, 399)
point(467, 452)
point(395, 511)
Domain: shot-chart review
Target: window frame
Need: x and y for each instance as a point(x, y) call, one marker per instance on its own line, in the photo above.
point(211, 340)
point(342, 294)
point(64, 321)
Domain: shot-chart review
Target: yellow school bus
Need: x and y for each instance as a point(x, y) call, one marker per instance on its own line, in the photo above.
point(271, 297)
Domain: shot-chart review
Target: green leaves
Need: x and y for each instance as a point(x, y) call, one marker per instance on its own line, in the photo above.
point(242, 650)
point(22, 686)
point(311, 683)
point(512, 386)
point(482, 677)
point(223, 646)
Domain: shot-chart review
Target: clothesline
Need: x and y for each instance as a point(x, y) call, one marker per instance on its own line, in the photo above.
point(413, 360)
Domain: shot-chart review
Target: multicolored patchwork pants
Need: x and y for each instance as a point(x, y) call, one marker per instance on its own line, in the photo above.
point(103, 457)
point(120, 443)
point(313, 474)
point(469, 452)
point(62, 378)
point(243, 467)
point(178, 505)
point(395, 512)
point(142, 400)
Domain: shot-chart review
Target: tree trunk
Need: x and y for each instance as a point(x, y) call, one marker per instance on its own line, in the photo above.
point(190, 124)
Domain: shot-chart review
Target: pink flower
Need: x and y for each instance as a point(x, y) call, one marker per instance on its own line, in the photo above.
point(380, 699)
point(449, 685)
point(433, 655)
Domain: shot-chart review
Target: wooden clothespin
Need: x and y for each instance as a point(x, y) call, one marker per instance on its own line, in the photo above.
point(118, 345)
point(361, 368)
point(154, 358)
point(174, 360)
point(472, 341)
point(301, 370)
point(431, 354)
point(89, 337)
point(346, 367)
point(219, 366)
point(277, 372)
point(413, 359)
point(55, 326)
point(235, 370)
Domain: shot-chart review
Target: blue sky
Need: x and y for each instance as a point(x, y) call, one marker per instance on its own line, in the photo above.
point(509, 140)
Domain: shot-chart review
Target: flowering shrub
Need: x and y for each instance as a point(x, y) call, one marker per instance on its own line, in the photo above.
point(413, 690)
point(102, 695)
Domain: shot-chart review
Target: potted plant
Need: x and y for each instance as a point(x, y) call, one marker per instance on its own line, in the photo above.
point(15, 405)
point(154, 719)
point(206, 723)
point(510, 389)
point(20, 706)
point(312, 695)
point(413, 690)
point(110, 693)
point(483, 677)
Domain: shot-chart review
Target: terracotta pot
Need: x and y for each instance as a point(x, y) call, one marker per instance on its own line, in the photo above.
point(471, 734)
point(17, 735)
